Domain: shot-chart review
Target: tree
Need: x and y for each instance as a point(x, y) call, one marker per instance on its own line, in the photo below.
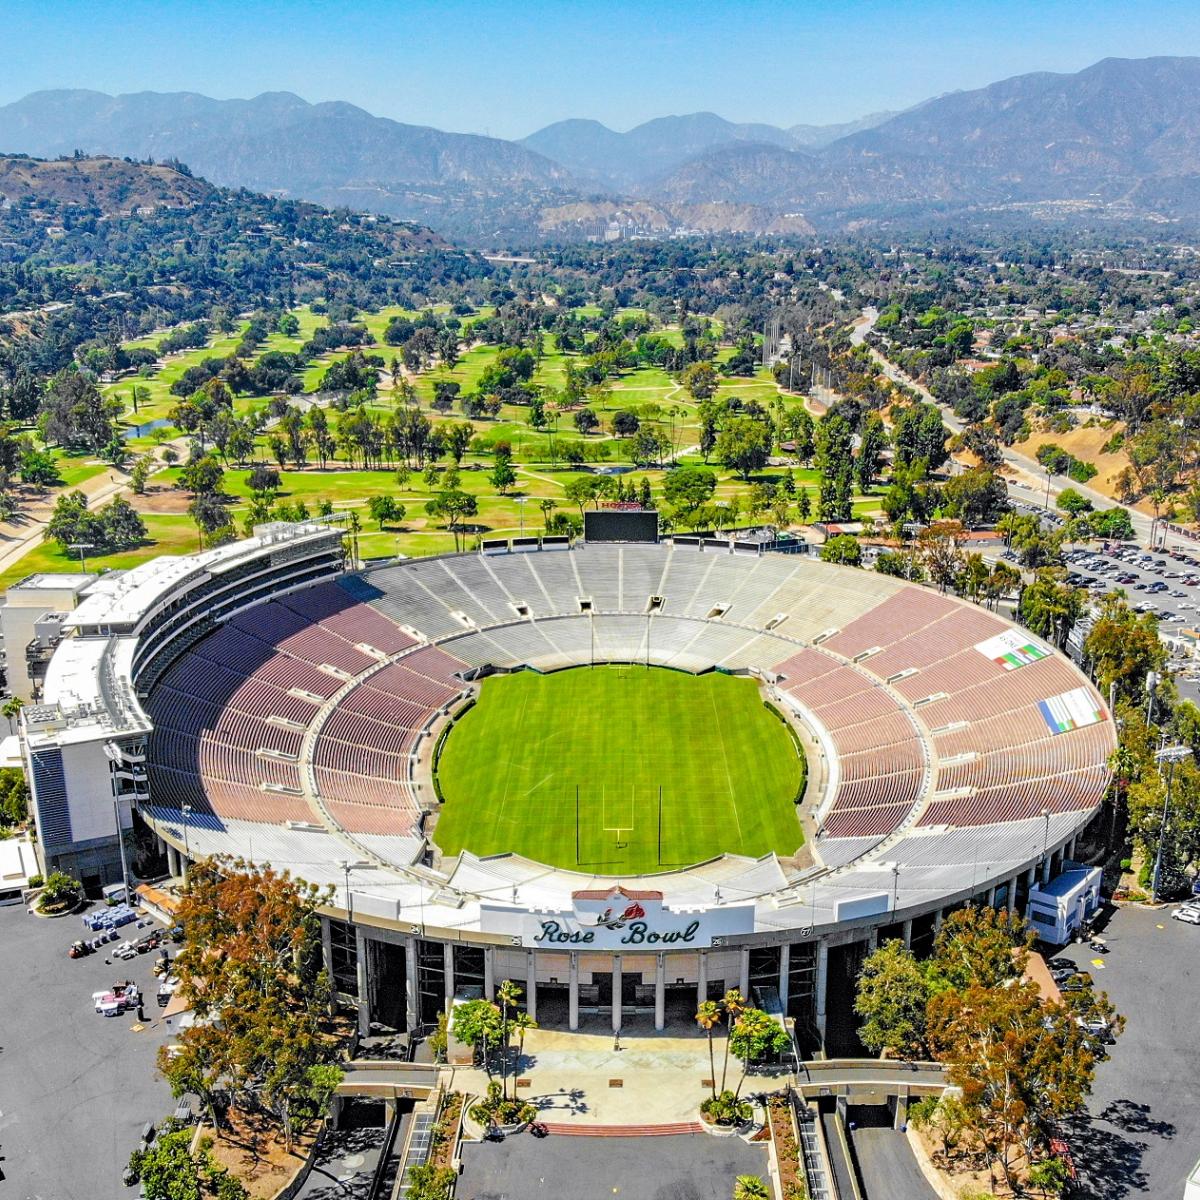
point(1070, 501)
point(1123, 648)
point(919, 435)
point(836, 466)
point(140, 473)
point(700, 379)
point(975, 497)
point(873, 441)
point(586, 421)
point(452, 506)
point(477, 1023)
point(74, 414)
point(509, 995)
point(626, 423)
point(744, 445)
point(502, 475)
point(979, 945)
point(891, 1001)
point(250, 966)
point(1021, 1064)
point(458, 440)
point(384, 509)
point(940, 549)
point(427, 1181)
point(732, 1004)
point(844, 549)
point(755, 1035)
point(1050, 607)
point(708, 1017)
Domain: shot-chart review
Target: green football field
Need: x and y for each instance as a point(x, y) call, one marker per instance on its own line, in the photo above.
point(729, 770)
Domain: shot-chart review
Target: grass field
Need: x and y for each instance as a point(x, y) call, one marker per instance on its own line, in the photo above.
point(729, 770)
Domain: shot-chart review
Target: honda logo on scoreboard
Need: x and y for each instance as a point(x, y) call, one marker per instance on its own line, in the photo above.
point(616, 919)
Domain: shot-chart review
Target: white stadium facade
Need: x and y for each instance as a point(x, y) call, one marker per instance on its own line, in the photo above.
point(262, 701)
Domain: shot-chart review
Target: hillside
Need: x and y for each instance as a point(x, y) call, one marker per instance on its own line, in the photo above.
point(331, 153)
point(1119, 135)
point(111, 185)
point(94, 244)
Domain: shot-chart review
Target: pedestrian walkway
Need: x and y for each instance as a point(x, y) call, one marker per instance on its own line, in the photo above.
point(591, 1079)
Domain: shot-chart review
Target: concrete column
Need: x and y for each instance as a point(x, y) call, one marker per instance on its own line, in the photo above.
point(173, 857)
point(364, 984)
point(822, 984)
point(489, 972)
point(991, 898)
point(901, 1111)
point(873, 940)
point(906, 933)
point(573, 994)
point(448, 967)
point(531, 983)
point(616, 993)
point(1011, 900)
point(660, 993)
point(938, 917)
point(785, 963)
point(327, 950)
point(701, 979)
point(1046, 866)
point(744, 973)
point(412, 997)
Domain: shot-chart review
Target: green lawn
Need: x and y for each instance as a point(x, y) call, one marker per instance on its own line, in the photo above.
point(729, 770)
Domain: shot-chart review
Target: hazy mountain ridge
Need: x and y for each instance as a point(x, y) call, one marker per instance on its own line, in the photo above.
point(1121, 137)
point(593, 152)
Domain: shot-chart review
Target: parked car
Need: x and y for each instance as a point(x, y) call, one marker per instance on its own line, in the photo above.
point(1187, 914)
point(1078, 982)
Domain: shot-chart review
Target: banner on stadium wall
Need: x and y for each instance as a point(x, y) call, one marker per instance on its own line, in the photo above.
point(1072, 710)
point(618, 919)
point(1012, 649)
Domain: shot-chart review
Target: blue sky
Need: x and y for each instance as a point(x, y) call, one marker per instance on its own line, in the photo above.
point(509, 68)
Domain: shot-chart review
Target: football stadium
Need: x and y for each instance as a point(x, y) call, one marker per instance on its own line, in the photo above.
point(627, 774)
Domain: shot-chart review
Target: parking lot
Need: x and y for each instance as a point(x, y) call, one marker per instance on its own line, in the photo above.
point(75, 1088)
point(1142, 1134)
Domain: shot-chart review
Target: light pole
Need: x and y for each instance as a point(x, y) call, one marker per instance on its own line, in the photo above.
point(186, 812)
point(1045, 843)
point(345, 865)
point(83, 548)
point(1171, 755)
point(121, 847)
point(895, 886)
point(1151, 684)
point(1047, 505)
point(521, 502)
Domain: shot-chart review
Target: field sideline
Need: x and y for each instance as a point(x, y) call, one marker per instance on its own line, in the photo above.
point(728, 767)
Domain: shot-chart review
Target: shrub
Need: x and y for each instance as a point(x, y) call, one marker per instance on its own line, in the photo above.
point(60, 893)
point(726, 1109)
point(36, 881)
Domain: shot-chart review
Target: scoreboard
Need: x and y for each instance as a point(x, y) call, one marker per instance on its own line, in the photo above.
point(620, 525)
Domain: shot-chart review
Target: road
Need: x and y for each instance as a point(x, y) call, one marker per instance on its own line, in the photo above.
point(1031, 482)
point(889, 1170)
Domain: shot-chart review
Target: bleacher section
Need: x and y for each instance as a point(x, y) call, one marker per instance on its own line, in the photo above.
point(310, 706)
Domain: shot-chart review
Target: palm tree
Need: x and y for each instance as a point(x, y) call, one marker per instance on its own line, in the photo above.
point(733, 1003)
point(750, 1187)
point(12, 709)
point(522, 1023)
point(708, 1015)
point(508, 993)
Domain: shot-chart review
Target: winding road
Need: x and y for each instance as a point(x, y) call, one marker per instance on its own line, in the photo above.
point(1030, 483)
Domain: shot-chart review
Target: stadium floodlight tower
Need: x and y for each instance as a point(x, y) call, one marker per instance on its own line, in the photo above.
point(1170, 755)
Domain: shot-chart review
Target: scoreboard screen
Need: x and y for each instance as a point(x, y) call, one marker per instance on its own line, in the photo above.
point(615, 525)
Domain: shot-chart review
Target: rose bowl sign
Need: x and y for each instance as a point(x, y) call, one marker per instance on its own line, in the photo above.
point(617, 919)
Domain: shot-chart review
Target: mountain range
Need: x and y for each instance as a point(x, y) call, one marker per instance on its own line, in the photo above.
point(1120, 138)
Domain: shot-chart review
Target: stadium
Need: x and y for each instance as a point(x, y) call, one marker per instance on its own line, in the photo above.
point(627, 774)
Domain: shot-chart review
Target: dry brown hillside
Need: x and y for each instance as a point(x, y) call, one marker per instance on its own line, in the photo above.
point(112, 185)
